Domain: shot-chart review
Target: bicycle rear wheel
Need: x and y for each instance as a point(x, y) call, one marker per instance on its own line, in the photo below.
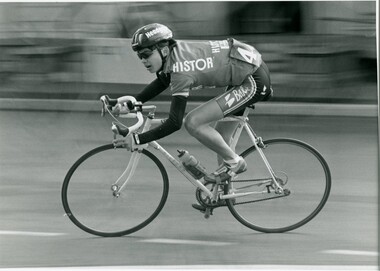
point(90, 203)
point(305, 176)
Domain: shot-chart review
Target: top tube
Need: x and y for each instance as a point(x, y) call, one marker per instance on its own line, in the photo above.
point(136, 113)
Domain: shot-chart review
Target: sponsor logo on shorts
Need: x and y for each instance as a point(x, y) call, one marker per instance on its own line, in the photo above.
point(229, 101)
point(236, 95)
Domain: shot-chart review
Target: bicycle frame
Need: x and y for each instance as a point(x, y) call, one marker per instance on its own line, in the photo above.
point(213, 195)
point(222, 188)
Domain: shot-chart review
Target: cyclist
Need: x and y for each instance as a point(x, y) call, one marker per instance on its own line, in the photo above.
point(185, 66)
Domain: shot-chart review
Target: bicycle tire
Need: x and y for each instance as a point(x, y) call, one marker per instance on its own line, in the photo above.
point(275, 210)
point(83, 188)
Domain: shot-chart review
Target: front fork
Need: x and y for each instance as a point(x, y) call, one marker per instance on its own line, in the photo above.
point(127, 174)
point(133, 162)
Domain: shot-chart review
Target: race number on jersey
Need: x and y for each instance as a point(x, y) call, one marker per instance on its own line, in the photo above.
point(245, 52)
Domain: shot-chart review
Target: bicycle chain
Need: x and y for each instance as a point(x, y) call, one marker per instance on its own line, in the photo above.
point(257, 200)
point(245, 181)
point(244, 202)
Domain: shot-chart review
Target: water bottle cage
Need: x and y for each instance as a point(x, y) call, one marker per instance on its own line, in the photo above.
point(197, 174)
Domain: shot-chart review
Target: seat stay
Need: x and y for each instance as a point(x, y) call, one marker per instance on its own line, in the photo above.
point(256, 140)
point(242, 121)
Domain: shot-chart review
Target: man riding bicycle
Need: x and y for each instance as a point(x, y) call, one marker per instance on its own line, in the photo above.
point(188, 65)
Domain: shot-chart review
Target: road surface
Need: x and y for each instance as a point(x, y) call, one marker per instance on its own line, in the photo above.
point(37, 149)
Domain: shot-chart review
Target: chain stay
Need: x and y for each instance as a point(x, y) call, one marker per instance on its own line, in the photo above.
point(258, 200)
point(285, 193)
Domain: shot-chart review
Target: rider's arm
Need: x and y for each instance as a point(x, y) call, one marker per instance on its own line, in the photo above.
point(151, 91)
point(157, 86)
point(172, 124)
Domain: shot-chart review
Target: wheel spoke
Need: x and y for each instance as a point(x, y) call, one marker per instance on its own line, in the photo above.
point(96, 204)
point(304, 185)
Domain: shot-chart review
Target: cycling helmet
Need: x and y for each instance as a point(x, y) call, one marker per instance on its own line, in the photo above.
point(149, 35)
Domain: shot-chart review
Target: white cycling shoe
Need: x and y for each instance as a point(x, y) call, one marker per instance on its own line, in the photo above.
point(239, 167)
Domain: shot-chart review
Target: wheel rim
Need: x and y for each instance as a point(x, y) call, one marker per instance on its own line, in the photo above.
point(85, 213)
point(252, 217)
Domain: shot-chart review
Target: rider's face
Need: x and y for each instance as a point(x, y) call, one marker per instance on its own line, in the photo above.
point(151, 60)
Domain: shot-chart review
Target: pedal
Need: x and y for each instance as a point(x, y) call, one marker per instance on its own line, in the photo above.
point(208, 212)
point(222, 177)
point(199, 207)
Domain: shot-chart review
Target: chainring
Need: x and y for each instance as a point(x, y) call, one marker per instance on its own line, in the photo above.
point(205, 200)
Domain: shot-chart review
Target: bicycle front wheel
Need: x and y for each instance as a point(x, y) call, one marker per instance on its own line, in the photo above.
point(90, 201)
point(301, 171)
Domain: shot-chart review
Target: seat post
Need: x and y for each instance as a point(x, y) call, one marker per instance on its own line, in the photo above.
point(247, 111)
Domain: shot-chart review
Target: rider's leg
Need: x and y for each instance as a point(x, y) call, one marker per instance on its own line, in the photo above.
point(226, 128)
point(262, 84)
point(197, 123)
point(254, 88)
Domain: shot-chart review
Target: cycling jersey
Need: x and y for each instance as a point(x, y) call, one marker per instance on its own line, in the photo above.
point(199, 64)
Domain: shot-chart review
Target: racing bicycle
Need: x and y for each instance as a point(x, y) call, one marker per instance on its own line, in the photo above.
point(111, 191)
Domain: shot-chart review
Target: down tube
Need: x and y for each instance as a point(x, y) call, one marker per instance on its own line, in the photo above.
point(180, 168)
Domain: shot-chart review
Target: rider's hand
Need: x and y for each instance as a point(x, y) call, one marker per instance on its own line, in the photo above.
point(116, 110)
point(129, 143)
point(125, 142)
point(110, 104)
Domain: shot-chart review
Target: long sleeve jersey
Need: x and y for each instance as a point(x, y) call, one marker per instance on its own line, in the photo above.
point(194, 65)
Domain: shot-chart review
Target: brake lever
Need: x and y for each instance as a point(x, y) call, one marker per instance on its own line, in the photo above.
point(103, 111)
point(114, 129)
point(119, 131)
point(104, 101)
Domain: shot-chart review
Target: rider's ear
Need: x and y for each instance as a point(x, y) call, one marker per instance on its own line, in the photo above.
point(165, 51)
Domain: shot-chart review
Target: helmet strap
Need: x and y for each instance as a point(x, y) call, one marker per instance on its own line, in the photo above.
point(163, 58)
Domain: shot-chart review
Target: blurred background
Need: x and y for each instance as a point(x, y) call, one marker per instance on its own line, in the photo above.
point(58, 58)
point(316, 51)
